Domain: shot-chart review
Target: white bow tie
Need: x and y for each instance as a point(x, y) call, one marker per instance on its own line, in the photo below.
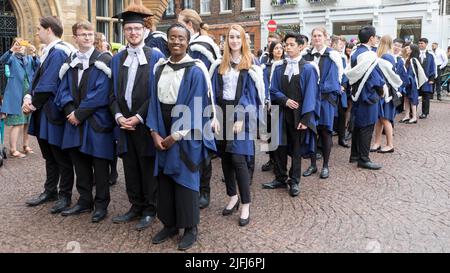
point(292, 68)
point(135, 52)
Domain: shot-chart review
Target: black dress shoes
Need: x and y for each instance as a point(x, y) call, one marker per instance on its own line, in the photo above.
point(188, 239)
point(98, 215)
point(294, 188)
point(344, 144)
point(60, 205)
point(226, 211)
point(386, 151)
point(325, 173)
point(267, 167)
point(127, 217)
point(275, 184)
point(203, 201)
point(145, 222)
point(369, 165)
point(243, 222)
point(310, 171)
point(77, 209)
point(423, 116)
point(164, 234)
point(41, 199)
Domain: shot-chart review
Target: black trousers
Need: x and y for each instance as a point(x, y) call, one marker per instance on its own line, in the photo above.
point(88, 168)
point(280, 155)
point(59, 168)
point(235, 168)
point(140, 183)
point(361, 138)
point(205, 177)
point(341, 120)
point(437, 82)
point(426, 102)
point(177, 205)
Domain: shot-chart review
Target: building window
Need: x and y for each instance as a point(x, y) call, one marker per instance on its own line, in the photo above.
point(107, 25)
point(170, 11)
point(248, 4)
point(188, 4)
point(103, 27)
point(205, 7)
point(409, 30)
point(103, 8)
point(118, 6)
point(225, 5)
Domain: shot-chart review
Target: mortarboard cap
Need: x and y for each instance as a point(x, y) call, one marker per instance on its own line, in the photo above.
point(132, 17)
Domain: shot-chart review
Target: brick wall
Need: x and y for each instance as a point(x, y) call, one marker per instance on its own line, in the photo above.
point(220, 22)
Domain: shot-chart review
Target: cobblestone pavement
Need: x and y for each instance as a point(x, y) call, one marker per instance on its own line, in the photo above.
point(404, 207)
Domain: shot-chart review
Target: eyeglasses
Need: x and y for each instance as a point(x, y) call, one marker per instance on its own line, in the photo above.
point(86, 35)
point(135, 29)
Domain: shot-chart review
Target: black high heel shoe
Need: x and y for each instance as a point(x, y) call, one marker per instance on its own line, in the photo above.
point(244, 222)
point(226, 211)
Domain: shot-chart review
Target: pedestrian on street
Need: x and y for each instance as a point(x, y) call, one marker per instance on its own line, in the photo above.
point(83, 95)
point(21, 71)
point(132, 77)
point(295, 90)
point(180, 83)
point(47, 122)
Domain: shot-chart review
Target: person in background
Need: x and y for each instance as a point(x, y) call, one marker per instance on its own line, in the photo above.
point(392, 96)
point(102, 46)
point(441, 63)
point(83, 95)
point(276, 55)
point(47, 122)
point(272, 38)
point(201, 47)
point(21, 69)
point(428, 63)
point(298, 113)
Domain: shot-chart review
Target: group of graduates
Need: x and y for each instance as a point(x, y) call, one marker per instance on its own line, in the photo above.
point(146, 104)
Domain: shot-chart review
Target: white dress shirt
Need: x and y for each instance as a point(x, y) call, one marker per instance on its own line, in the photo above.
point(441, 58)
point(317, 59)
point(292, 67)
point(423, 55)
point(169, 87)
point(135, 58)
point(230, 81)
point(82, 58)
point(47, 49)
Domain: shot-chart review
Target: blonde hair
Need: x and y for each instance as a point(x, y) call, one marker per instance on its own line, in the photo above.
point(190, 15)
point(385, 45)
point(246, 60)
point(321, 29)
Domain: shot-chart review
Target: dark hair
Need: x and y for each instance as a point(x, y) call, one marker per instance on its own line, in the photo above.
point(349, 45)
point(415, 53)
point(425, 40)
point(300, 39)
point(54, 23)
point(365, 33)
point(400, 41)
point(272, 47)
point(178, 25)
